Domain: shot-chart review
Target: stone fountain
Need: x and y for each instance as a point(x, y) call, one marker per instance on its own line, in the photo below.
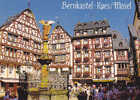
point(48, 88)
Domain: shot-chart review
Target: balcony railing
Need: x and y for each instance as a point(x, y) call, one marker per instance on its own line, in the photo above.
point(107, 55)
point(86, 59)
point(108, 63)
point(78, 74)
point(107, 74)
point(77, 60)
point(98, 75)
point(85, 46)
point(122, 71)
point(86, 74)
point(97, 56)
point(77, 47)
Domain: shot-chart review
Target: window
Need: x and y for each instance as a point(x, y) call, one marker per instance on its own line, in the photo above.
point(97, 46)
point(107, 53)
point(98, 53)
point(100, 31)
point(62, 45)
point(58, 36)
point(86, 51)
point(98, 70)
point(81, 31)
point(12, 37)
point(96, 32)
point(7, 51)
point(54, 46)
point(85, 41)
point(10, 70)
point(106, 45)
point(61, 36)
point(86, 68)
point(90, 31)
point(19, 26)
point(120, 53)
point(98, 60)
point(105, 39)
point(119, 66)
point(11, 52)
point(15, 50)
point(26, 40)
point(123, 66)
point(104, 31)
point(121, 44)
point(78, 42)
point(107, 59)
point(78, 53)
point(2, 69)
point(78, 68)
point(97, 40)
point(60, 58)
point(114, 36)
point(85, 32)
point(108, 69)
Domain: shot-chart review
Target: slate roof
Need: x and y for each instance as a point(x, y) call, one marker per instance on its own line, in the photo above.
point(108, 33)
point(133, 32)
point(119, 42)
point(63, 30)
point(92, 25)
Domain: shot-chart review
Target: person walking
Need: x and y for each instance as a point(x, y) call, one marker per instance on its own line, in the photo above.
point(6, 97)
point(100, 95)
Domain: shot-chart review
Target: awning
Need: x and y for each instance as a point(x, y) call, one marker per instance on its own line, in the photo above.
point(10, 81)
point(104, 80)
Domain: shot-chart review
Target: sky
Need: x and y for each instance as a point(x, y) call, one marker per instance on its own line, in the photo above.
point(68, 16)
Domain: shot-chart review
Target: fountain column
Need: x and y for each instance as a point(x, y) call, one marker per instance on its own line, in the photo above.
point(45, 59)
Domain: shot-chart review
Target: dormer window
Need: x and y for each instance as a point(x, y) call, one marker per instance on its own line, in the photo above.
point(96, 32)
point(120, 44)
point(103, 22)
point(104, 31)
point(78, 68)
point(78, 42)
point(96, 23)
point(114, 36)
point(100, 31)
point(90, 31)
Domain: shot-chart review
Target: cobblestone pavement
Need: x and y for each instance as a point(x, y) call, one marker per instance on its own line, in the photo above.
point(73, 98)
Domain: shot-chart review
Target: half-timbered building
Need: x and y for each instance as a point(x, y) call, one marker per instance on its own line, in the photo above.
point(20, 47)
point(60, 49)
point(93, 52)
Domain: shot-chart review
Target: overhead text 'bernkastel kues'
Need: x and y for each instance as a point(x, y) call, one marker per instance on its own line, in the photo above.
point(96, 5)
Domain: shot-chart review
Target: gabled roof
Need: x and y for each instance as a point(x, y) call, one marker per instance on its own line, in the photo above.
point(62, 29)
point(92, 25)
point(109, 32)
point(119, 42)
point(13, 18)
point(132, 31)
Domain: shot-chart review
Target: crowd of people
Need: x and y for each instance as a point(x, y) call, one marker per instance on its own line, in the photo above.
point(8, 96)
point(106, 92)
